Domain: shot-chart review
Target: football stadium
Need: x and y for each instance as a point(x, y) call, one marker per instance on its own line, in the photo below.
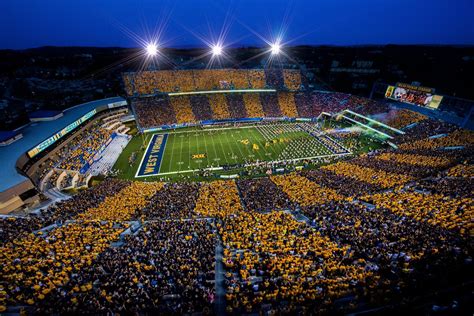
point(240, 190)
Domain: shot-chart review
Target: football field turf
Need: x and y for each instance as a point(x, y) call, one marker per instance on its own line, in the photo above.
point(188, 151)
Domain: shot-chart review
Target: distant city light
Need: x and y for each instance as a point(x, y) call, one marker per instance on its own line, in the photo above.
point(151, 50)
point(217, 50)
point(275, 48)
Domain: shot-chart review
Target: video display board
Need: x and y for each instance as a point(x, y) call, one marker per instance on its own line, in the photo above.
point(51, 140)
point(417, 95)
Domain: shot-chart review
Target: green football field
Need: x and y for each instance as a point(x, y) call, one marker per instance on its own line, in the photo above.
point(187, 151)
point(205, 149)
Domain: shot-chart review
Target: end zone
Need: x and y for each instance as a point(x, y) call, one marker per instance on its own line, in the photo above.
point(151, 160)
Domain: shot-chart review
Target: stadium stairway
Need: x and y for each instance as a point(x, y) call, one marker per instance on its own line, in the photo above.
point(56, 195)
point(46, 230)
point(134, 229)
point(219, 280)
point(300, 217)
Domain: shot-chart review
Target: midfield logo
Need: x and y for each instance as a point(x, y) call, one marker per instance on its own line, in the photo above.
point(198, 156)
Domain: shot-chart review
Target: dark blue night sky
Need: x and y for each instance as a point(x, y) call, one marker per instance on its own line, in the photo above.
point(33, 23)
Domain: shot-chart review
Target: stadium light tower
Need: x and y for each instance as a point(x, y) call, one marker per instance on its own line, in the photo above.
point(275, 48)
point(216, 50)
point(151, 50)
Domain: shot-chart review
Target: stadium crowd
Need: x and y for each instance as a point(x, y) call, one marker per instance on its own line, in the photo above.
point(151, 82)
point(407, 252)
point(182, 108)
point(435, 209)
point(219, 107)
point(345, 186)
point(278, 265)
point(201, 107)
point(236, 105)
point(263, 195)
point(292, 79)
point(384, 228)
point(303, 191)
point(377, 177)
point(422, 130)
point(167, 268)
point(402, 118)
point(153, 112)
point(173, 201)
point(157, 111)
point(16, 227)
point(449, 186)
point(80, 149)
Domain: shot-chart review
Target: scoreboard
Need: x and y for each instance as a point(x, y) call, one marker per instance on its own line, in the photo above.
point(417, 95)
point(51, 140)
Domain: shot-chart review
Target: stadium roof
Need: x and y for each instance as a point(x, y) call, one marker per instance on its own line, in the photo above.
point(36, 132)
point(6, 135)
point(43, 114)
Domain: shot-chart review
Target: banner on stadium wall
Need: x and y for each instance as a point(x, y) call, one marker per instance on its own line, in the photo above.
point(435, 101)
point(229, 176)
point(165, 127)
point(275, 118)
point(249, 119)
point(416, 95)
point(205, 122)
point(303, 119)
point(150, 130)
point(389, 92)
point(116, 104)
point(415, 88)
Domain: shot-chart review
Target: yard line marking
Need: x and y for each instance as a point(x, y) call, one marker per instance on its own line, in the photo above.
point(205, 149)
point(214, 147)
point(230, 145)
point(180, 152)
point(260, 142)
point(222, 147)
point(197, 147)
point(171, 157)
point(250, 153)
point(189, 152)
point(238, 146)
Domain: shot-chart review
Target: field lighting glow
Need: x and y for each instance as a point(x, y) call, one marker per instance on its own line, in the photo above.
point(151, 49)
point(216, 50)
point(275, 48)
